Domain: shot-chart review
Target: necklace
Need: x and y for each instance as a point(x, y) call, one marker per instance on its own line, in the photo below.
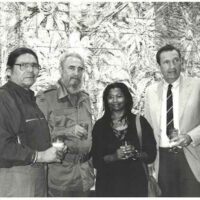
point(119, 124)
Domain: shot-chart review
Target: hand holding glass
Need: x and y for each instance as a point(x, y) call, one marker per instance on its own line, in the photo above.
point(58, 143)
point(173, 133)
point(129, 150)
point(174, 143)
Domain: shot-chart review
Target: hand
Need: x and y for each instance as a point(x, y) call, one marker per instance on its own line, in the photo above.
point(48, 156)
point(61, 152)
point(130, 151)
point(61, 147)
point(182, 140)
point(120, 154)
point(80, 132)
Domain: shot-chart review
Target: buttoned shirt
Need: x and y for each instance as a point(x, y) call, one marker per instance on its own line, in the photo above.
point(164, 140)
point(76, 171)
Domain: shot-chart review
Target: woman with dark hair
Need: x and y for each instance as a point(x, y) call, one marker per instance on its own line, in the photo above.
point(116, 148)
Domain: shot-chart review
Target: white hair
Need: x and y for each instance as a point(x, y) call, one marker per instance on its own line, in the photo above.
point(66, 55)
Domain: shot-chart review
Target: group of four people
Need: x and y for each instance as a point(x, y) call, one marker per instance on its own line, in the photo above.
point(170, 133)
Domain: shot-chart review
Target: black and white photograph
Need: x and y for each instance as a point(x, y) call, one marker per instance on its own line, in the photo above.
point(99, 99)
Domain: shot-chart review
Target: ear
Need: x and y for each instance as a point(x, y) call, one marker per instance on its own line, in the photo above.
point(8, 71)
point(158, 66)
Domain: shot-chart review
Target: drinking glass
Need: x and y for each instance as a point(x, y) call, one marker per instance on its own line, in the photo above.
point(172, 134)
point(125, 146)
point(58, 143)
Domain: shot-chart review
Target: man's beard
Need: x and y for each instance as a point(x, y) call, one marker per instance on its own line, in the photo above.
point(74, 88)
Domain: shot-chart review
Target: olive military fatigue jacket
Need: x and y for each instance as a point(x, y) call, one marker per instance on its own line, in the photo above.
point(75, 173)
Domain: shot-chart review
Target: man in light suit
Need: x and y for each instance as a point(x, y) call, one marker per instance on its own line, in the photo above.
point(177, 166)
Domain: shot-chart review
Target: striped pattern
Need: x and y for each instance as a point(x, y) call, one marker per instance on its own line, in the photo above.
point(170, 117)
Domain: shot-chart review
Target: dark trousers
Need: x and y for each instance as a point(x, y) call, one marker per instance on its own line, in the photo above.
point(175, 176)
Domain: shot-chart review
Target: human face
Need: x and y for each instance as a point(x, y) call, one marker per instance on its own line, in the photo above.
point(71, 74)
point(24, 77)
point(116, 99)
point(170, 65)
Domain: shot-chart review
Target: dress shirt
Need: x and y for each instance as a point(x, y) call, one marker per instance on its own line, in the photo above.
point(164, 140)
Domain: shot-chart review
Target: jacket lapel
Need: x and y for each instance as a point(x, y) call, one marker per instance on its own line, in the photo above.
point(158, 102)
point(184, 92)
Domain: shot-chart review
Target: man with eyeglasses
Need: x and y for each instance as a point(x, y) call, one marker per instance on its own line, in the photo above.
point(24, 134)
point(68, 112)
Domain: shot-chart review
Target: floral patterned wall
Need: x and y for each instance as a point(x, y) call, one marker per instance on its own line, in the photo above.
point(118, 40)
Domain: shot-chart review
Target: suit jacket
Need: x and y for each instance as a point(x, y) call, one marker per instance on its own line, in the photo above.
point(189, 118)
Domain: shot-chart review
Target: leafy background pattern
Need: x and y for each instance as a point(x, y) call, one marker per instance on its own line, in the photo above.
point(118, 40)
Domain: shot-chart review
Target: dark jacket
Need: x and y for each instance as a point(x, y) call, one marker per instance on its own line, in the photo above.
point(23, 128)
point(122, 177)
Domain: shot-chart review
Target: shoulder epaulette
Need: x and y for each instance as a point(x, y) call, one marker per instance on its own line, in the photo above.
point(84, 92)
point(42, 95)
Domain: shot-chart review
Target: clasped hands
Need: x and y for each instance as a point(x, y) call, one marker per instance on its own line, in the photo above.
point(126, 152)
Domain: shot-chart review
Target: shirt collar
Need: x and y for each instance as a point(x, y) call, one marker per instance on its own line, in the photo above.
point(174, 84)
point(62, 91)
point(23, 91)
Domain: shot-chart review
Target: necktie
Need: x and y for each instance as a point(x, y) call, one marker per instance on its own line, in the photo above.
point(170, 118)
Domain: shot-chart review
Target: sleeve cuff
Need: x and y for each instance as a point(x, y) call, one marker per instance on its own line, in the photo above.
point(34, 157)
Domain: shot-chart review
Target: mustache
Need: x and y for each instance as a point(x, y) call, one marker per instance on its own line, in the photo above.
point(30, 75)
point(172, 70)
point(74, 77)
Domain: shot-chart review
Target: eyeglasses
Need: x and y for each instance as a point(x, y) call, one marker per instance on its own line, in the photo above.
point(25, 66)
